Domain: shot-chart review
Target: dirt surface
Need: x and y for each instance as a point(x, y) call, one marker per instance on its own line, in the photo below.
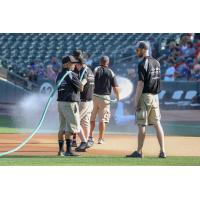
point(116, 145)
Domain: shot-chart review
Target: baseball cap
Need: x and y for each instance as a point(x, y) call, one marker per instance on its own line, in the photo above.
point(142, 45)
point(70, 58)
point(77, 53)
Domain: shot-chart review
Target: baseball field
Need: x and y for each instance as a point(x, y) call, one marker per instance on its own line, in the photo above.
point(182, 145)
point(42, 151)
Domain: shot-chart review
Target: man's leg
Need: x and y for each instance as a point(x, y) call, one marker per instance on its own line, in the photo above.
point(69, 151)
point(95, 110)
point(141, 137)
point(74, 143)
point(104, 118)
point(92, 126)
point(85, 121)
point(102, 128)
point(61, 142)
point(155, 119)
point(83, 145)
point(160, 136)
point(82, 136)
point(68, 137)
point(62, 128)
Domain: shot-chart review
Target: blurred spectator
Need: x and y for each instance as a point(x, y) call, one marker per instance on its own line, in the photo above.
point(184, 39)
point(51, 75)
point(182, 71)
point(196, 72)
point(41, 73)
point(132, 73)
point(155, 50)
point(55, 64)
point(89, 61)
point(189, 51)
point(32, 73)
point(169, 73)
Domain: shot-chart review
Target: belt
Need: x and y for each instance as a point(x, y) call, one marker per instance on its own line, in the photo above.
point(85, 100)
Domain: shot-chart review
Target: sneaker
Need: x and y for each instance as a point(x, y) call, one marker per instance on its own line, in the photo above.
point(135, 154)
point(82, 147)
point(74, 144)
point(71, 154)
point(61, 153)
point(100, 141)
point(162, 155)
point(90, 142)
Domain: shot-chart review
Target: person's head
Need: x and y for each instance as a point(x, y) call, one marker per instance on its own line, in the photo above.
point(69, 62)
point(172, 44)
point(142, 49)
point(81, 63)
point(104, 61)
point(77, 53)
point(185, 37)
point(53, 59)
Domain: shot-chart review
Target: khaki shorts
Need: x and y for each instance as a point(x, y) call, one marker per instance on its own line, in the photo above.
point(69, 117)
point(149, 113)
point(102, 108)
point(85, 109)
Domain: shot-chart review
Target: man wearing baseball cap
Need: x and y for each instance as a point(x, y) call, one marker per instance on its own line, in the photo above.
point(68, 105)
point(86, 96)
point(146, 102)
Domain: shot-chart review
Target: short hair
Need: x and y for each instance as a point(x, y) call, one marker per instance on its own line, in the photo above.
point(105, 59)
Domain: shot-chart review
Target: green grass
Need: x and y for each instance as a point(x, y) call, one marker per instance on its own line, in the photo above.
point(97, 161)
point(5, 130)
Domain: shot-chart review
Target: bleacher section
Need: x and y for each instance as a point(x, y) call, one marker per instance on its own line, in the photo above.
point(18, 50)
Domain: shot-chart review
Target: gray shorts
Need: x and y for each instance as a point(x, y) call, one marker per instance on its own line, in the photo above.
point(85, 113)
point(69, 117)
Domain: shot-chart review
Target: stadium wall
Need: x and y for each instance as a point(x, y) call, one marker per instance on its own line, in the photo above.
point(10, 93)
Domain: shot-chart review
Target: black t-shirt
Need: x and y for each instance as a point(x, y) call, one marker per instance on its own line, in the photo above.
point(69, 90)
point(105, 79)
point(87, 93)
point(149, 73)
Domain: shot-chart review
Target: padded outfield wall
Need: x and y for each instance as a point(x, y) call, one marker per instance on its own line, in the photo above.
point(179, 115)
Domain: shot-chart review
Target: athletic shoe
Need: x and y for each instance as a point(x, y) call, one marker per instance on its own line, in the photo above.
point(74, 144)
point(61, 153)
point(162, 155)
point(100, 141)
point(82, 147)
point(135, 154)
point(71, 154)
point(90, 142)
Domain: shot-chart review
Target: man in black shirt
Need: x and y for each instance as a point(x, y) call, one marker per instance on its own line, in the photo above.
point(86, 104)
point(146, 102)
point(68, 105)
point(105, 80)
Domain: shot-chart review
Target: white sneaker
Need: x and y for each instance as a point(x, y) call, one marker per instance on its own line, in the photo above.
point(100, 141)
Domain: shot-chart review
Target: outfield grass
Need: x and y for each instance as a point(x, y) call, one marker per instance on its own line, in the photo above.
point(97, 161)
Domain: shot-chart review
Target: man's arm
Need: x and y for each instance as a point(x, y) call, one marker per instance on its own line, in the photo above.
point(116, 91)
point(83, 82)
point(76, 83)
point(115, 86)
point(140, 84)
point(139, 89)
